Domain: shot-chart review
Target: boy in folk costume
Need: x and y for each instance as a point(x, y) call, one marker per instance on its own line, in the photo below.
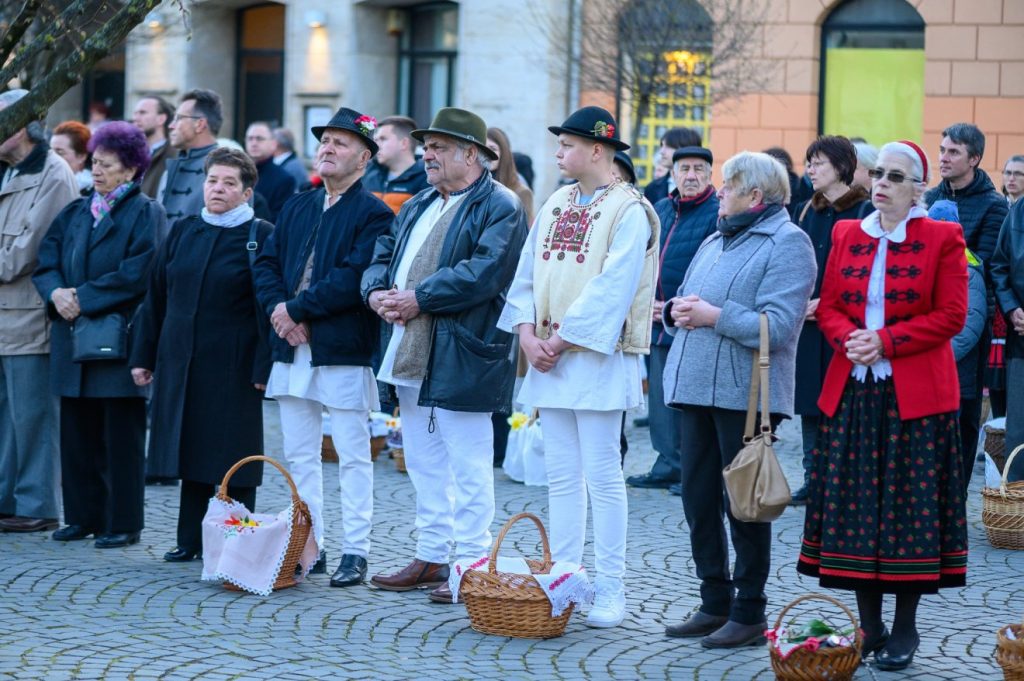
point(581, 303)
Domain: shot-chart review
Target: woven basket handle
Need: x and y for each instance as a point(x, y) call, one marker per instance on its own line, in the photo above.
point(822, 597)
point(493, 567)
point(1006, 467)
point(222, 493)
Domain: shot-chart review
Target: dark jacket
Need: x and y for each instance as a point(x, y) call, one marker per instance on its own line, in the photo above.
point(183, 191)
point(657, 191)
point(157, 165)
point(470, 366)
point(395, 192)
point(276, 185)
point(1008, 274)
point(343, 331)
point(206, 340)
point(967, 345)
point(684, 226)
point(109, 267)
point(293, 165)
point(982, 210)
point(817, 217)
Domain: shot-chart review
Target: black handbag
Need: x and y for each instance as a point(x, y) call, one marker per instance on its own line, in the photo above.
point(99, 338)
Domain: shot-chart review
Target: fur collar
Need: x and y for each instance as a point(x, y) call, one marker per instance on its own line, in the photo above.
point(848, 200)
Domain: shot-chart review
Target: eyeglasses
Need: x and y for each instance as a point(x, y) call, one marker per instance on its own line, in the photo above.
point(1015, 174)
point(178, 117)
point(894, 176)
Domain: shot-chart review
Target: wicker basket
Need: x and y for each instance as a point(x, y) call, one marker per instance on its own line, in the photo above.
point(507, 604)
point(1002, 510)
point(995, 445)
point(1010, 653)
point(302, 522)
point(824, 664)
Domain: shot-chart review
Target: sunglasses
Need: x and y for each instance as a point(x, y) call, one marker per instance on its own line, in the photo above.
point(894, 176)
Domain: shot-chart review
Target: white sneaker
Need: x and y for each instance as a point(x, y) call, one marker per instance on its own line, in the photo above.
point(609, 607)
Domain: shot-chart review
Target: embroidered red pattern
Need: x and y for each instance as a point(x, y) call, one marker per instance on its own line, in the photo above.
point(570, 231)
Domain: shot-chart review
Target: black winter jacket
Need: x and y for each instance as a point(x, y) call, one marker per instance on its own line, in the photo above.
point(343, 332)
point(469, 367)
point(1007, 272)
point(684, 226)
point(982, 211)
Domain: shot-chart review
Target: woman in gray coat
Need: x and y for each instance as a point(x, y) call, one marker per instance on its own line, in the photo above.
point(757, 261)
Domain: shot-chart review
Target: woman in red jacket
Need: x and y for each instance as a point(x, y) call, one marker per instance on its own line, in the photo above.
point(886, 507)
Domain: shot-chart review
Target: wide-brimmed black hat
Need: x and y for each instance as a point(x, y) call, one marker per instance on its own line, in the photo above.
point(460, 124)
point(693, 152)
point(354, 122)
point(593, 123)
point(623, 158)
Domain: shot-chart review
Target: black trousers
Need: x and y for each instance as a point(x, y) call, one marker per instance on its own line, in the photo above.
point(711, 439)
point(102, 458)
point(195, 498)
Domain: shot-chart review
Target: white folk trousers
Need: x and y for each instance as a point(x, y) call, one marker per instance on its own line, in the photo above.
point(452, 469)
point(581, 452)
point(302, 428)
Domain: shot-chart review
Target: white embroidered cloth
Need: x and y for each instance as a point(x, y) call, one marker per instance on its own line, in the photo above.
point(247, 549)
point(566, 582)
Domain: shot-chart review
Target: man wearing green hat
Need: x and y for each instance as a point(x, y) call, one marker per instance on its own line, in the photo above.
point(581, 303)
point(438, 281)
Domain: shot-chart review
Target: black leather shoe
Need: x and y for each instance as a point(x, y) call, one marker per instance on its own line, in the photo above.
point(648, 481)
point(113, 541)
point(180, 555)
point(72, 533)
point(735, 635)
point(160, 480)
point(874, 644)
point(696, 625)
point(891, 662)
point(319, 567)
point(799, 497)
point(351, 571)
point(676, 489)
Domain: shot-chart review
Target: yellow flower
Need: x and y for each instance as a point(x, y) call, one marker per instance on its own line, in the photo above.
point(518, 420)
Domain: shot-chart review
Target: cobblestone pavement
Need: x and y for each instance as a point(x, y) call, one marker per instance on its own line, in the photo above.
point(69, 611)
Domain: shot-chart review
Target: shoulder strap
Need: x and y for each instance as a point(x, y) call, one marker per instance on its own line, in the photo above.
point(803, 213)
point(253, 245)
point(759, 382)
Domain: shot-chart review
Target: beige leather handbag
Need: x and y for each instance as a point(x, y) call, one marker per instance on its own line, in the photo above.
point(758, 491)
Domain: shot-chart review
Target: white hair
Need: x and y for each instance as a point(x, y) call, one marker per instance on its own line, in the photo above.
point(464, 146)
point(867, 155)
point(34, 129)
point(749, 170)
point(907, 152)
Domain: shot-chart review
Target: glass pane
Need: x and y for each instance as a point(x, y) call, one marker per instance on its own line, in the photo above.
point(435, 29)
point(263, 28)
point(429, 91)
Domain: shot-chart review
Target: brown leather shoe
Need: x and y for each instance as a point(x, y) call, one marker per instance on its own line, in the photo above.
point(21, 524)
point(443, 594)
point(416, 575)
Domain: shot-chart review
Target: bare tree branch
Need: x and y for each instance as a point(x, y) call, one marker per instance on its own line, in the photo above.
point(73, 67)
point(60, 27)
point(18, 27)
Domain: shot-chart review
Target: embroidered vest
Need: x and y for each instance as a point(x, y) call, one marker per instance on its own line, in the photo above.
point(574, 244)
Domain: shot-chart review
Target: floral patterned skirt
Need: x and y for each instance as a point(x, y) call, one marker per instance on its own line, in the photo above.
point(886, 507)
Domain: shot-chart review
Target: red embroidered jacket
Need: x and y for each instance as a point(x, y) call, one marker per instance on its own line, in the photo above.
point(925, 306)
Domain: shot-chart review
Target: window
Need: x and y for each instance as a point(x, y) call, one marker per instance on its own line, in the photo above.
point(864, 43)
point(426, 60)
point(260, 81)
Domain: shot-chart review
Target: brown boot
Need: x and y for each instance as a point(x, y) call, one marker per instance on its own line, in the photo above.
point(416, 575)
point(443, 594)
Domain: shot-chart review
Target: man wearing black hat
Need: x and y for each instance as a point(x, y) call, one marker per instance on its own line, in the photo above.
point(687, 216)
point(581, 304)
point(307, 280)
point(439, 280)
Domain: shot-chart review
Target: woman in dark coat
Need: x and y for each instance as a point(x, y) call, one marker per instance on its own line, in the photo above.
point(199, 333)
point(831, 163)
point(95, 262)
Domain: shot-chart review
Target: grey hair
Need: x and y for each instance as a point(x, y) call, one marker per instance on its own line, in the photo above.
point(34, 130)
point(900, 149)
point(464, 146)
point(867, 155)
point(749, 170)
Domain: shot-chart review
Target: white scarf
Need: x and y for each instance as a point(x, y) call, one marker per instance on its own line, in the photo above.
point(236, 216)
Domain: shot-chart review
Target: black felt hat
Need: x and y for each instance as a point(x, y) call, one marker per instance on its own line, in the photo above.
point(693, 152)
point(461, 124)
point(593, 123)
point(354, 122)
point(623, 158)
